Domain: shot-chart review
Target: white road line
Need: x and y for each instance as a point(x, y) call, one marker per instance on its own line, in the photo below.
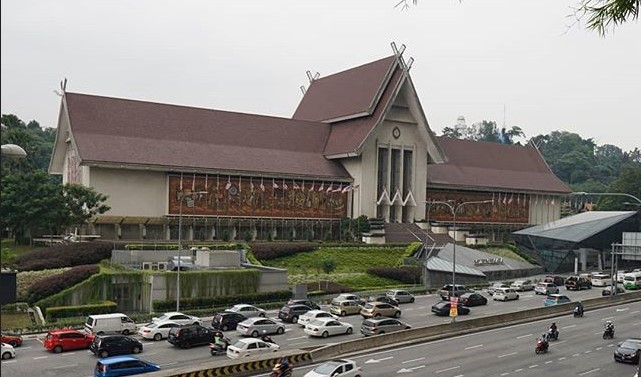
point(533, 366)
point(548, 362)
point(523, 336)
point(575, 355)
point(472, 347)
point(445, 370)
point(40, 357)
point(562, 358)
point(505, 374)
point(610, 345)
point(606, 318)
point(413, 360)
point(557, 343)
point(298, 337)
point(597, 333)
point(634, 312)
point(172, 363)
point(588, 351)
point(622, 309)
point(518, 370)
point(599, 348)
point(508, 354)
point(567, 327)
point(590, 371)
point(65, 366)
point(636, 324)
point(69, 354)
point(9, 362)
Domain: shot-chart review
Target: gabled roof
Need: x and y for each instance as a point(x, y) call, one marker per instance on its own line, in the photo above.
point(579, 227)
point(346, 94)
point(129, 132)
point(482, 165)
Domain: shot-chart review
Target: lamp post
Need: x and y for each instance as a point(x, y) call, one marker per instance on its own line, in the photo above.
point(13, 151)
point(582, 193)
point(454, 207)
point(180, 243)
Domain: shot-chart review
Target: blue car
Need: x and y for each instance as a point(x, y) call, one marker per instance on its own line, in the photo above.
point(555, 299)
point(123, 366)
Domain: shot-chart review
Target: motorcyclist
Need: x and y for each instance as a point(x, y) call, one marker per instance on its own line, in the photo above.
point(579, 308)
point(553, 331)
point(609, 326)
point(219, 341)
point(282, 368)
point(544, 341)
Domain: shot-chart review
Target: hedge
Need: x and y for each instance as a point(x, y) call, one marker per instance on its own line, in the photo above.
point(54, 313)
point(59, 256)
point(173, 246)
point(268, 251)
point(57, 283)
point(221, 301)
point(404, 274)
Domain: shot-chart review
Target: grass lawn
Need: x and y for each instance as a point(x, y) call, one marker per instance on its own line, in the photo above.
point(503, 253)
point(14, 321)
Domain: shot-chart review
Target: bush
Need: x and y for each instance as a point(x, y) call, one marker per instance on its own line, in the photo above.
point(54, 313)
point(220, 301)
point(264, 251)
point(25, 279)
point(406, 275)
point(57, 283)
point(59, 256)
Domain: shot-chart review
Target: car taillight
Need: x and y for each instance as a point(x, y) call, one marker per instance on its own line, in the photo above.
point(146, 330)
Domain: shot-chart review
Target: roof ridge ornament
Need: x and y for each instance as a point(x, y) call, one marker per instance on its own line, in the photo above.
point(399, 56)
point(311, 79)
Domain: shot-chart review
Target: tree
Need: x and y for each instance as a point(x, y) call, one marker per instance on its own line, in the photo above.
point(82, 203)
point(629, 183)
point(451, 133)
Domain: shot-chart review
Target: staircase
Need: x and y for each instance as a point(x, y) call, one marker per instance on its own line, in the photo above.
point(410, 232)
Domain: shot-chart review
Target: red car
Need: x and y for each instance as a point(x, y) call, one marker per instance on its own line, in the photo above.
point(65, 340)
point(14, 340)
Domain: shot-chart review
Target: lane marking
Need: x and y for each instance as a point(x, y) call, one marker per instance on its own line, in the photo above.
point(562, 358)
point(448, 369)
point(65, 366)
point(9, 361)
point(635, 312)
point(533, 366)
point(622, 309)
point(472, 347)
point(40, 357)
point(518, 370)
point(505, 374)
point(588, 351)
point(590, 371)
point(523, 336)
point(575, 355)
point(413, 360)
point(508, 354)
point(568, 327)
point(69, 354)
point(599, 348)
point(548, 362)
point(172, 363)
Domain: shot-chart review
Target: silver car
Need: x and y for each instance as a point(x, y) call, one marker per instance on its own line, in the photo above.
point(247, 310)
point(258, 326)
point(375, 326)
point(401, 296)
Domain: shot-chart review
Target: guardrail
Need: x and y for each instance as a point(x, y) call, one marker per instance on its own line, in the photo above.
point(226, 367)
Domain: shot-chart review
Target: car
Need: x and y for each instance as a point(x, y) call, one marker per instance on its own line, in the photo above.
point(442, 308)
point(314, 314)
point(556, 299)
point(375, 326)
point(336, 368)
point(557, 280)
point(546, 288)
point(344, 307)
point(447, 291)
point(157, 330)
point(187, 336)
point(250, 346)
point(380, 309)
point(628, 351)
point(291, 313)
point(8, 352)
point(400, 295)
point(350, 296)
point(325, 327)
point(180, 318)
point(115, 366)
point(522, 285)
point(109, 345)
point(224, 321)
point(66, 340)
point(607, 291)
point(257, 326)
point(472, 299)
point(386, 299)
point(305, 302)
point(13, 340)
point(248, 311)
point(505, 294)
point(492, 288)
point(577, 283)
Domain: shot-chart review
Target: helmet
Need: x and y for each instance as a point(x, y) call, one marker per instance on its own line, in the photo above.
point(608, 323)
point(553, 323)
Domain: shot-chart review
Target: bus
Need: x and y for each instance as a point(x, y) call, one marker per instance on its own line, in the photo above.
point(632, 280)
point(601, 280)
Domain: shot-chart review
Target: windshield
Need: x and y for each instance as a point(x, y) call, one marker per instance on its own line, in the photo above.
point(631, 345)
point(239, 344)
point(326, 368)
point(151, 325)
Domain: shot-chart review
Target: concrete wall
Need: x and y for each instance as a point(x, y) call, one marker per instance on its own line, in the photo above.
point(542, 210)
point(218, 258)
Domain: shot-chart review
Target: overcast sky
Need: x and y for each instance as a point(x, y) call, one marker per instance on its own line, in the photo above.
point(473, 58)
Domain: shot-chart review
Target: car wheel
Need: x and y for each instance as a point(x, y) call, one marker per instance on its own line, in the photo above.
point(343, 314)
point(255, 334)
point(6, 356)
point(325, 334)
point(104, 354)
point(157, 336)
point(381, 332)
point(125, 332)
point(186, 345)
point(196, 323)
point(137, 350)
point(262, 315)
point(100, 333)
point(412, 300)
point(294, 319)
point(397, 315)
point(377, 315)
point(14, 343)
point(225, 328)
point(349, 330)
point(57, 349)
point(280, 330)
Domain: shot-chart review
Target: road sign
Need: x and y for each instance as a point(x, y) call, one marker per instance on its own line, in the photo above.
point(453, 306)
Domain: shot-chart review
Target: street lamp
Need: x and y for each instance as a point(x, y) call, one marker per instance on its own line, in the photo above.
point(180, 243)
point(454, 207)
point(13, 151)
point(582, 193)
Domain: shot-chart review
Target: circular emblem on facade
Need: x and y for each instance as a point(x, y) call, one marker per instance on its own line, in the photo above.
point(233, 190)
point(396, 132)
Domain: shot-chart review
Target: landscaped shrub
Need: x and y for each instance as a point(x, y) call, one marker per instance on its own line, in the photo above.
point(25, 279)
point(53, 313)
point(219, 301)
point(405, 274)
point(267, 251)
point(57, 283)
point(58, 256)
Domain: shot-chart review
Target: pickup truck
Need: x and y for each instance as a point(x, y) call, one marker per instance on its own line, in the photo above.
point(447, 291)
point(577, 283)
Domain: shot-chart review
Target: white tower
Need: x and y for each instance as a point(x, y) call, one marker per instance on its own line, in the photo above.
point(460, 125)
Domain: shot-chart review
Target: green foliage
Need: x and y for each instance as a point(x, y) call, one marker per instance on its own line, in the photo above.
point(8, 258)
point(35, 140)
point(55, 313)
point(221, 301)
point(406, 275)
point(268, 251)
point(174, 246)
point(628, 182)
point(413, 248)
point(53, 284)
point(82, 203)
point(328, 266)
point(25, 279)
point(605, 15)
point(60, 256)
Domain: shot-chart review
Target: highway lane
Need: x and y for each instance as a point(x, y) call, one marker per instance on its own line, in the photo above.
point(580, 350)
point(33, 360)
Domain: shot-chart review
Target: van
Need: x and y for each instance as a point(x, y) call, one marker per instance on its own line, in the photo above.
point(186, 263)
point(113, 323)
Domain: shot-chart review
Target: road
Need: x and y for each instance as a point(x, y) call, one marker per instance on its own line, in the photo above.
point(33, 360)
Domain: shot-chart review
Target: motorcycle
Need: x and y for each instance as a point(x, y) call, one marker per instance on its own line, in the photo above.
point(578, 312)
point(552, 334)
point(217, 349)
point(282, 370)
point(541, 346)
point(608, 333)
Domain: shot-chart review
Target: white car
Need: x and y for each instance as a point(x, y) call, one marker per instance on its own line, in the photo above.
point(327, 326)
point(505, 294)
point(522, 285)
point(7, 351)
point(250, 346)
point(336, 368)
point(179, 318)
point(546, 288)
point(304, 319)
point(248, 311)
point(157, 330)
point(492, 288)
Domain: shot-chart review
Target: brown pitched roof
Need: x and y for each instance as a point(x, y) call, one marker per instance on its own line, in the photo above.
point(344, 94)
point(477, 164)
point(122, 131)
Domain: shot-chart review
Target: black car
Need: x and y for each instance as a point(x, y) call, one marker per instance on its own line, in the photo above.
point(187, 336)
point(290, 313)
point(109, 345)
point(447, 291)
point(628, 351)
point(443, 308)
point(224, 321)
point(385, 299)
point(607, 291)
point(472, 299)
point(577, 283)
point(309, 303)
